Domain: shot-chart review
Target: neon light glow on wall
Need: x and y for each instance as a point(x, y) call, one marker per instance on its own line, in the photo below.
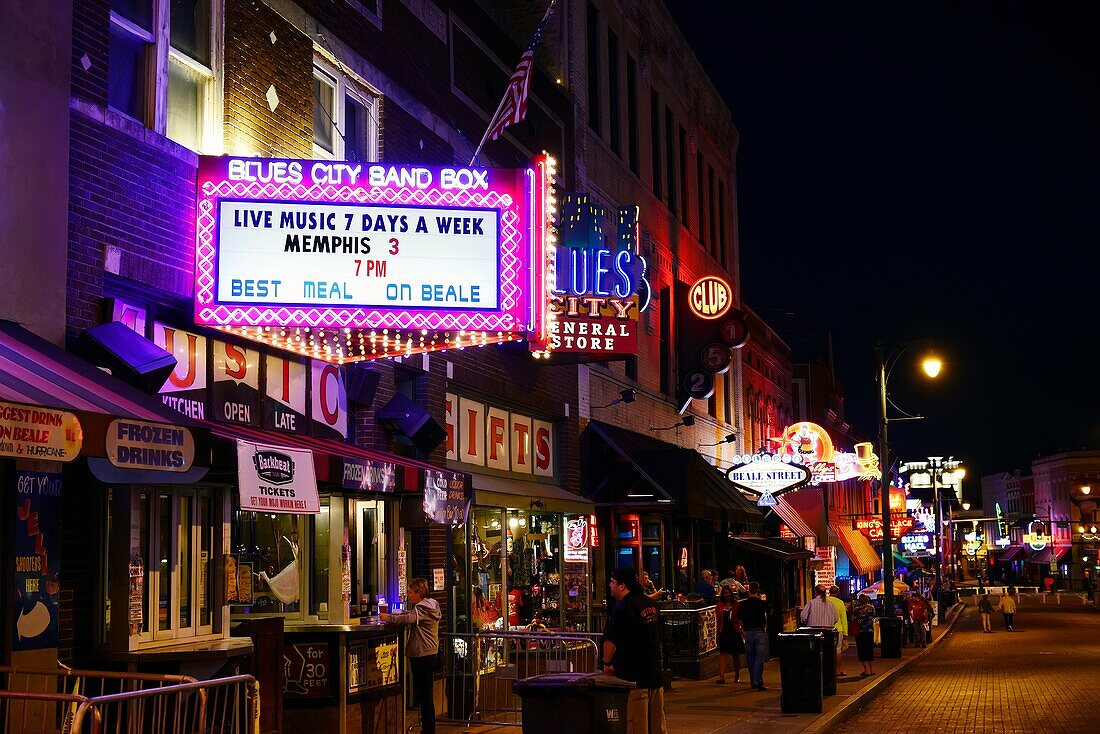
point(345, 261)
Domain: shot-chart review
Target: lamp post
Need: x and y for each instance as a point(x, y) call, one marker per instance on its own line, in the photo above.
point(932, 367)
point(939, 473)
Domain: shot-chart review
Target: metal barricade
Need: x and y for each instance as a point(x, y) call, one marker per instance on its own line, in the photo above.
point(219, 706)
point(97, 702)
point(481, 668)
point(44, 701)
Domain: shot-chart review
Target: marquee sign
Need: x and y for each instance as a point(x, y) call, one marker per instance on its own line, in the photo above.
point(349, 261)
point(767, 475)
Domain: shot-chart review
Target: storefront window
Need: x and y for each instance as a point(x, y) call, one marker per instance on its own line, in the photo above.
point(170, 546)
point(486, 574)
point(321, 561)
point(369, 541)
point(268, 563)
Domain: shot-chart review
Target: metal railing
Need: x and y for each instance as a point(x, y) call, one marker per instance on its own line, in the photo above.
point(480, 669)
point(45, 700)
point(101, 702)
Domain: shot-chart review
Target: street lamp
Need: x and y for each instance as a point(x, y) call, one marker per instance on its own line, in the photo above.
point(932, 366)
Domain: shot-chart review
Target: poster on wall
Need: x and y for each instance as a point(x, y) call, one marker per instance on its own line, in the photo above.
point(276, 479)
point(36, 574)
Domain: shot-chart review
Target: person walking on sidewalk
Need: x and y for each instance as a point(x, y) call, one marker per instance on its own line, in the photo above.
point(1007, 607)
point(753, 613)
point(422, 647)
point(985, 608)
point(921, 613)
point(864, 615)
point(632, 651)
point(819, 612)
point(841, 629)
point(731, 640)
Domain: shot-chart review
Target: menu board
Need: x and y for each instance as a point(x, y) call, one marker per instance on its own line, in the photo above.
point(708, 630)
point(373, 663)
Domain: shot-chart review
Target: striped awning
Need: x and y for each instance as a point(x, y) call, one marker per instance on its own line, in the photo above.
point(792, 518)
point(860, 552)
point(1012, 553)
point(35, 372)
point(1049, 554)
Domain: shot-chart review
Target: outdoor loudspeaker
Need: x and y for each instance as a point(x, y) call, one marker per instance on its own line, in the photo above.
point(362, 384)
point(127, 354)
point(404, 416)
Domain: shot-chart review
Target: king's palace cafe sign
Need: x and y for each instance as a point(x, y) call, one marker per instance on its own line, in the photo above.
point(481, 434)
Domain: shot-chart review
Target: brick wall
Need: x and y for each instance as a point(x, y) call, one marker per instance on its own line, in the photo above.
point(253, 63)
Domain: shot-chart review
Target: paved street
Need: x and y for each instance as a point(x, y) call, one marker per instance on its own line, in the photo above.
point(1041, 678)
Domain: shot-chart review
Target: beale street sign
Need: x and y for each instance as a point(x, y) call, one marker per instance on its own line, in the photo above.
point(768, 474)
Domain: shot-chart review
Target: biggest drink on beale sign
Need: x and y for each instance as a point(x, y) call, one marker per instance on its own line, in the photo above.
point(347, 261)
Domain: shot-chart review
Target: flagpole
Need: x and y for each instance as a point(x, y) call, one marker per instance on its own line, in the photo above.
point(500, 105)
point(488, 129)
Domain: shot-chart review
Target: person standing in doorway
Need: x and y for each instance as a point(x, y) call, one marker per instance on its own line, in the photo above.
point(422, 648)
point(731, 640)
point(1007, 607)
point(985, 608)
point(841, 628)
point(632, 651)
point(753, 613)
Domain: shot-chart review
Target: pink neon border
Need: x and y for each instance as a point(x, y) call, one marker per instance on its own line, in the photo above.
point(506, 193)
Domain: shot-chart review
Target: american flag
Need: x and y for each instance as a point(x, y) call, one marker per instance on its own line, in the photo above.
point(513, 108)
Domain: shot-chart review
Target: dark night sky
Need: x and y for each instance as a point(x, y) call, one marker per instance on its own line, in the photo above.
point(923, 170)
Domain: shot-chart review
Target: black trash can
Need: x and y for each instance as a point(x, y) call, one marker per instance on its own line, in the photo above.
point(828, 658)
point(591, 703)
point(890, 636)
point(800, 671)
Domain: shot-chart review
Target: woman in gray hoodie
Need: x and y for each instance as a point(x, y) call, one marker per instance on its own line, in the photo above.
point(422, 646)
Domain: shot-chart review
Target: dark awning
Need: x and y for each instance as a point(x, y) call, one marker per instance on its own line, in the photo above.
point(1012, 553)
point(773, 547)
point(661, 475)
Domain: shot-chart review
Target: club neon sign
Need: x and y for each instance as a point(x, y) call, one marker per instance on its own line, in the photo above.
point(345, 261)
point(710, 297)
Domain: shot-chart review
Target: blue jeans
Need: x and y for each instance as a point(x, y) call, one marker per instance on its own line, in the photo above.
point(756, 652)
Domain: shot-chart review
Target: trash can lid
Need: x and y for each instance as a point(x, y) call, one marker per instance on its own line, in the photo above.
point(571, 680)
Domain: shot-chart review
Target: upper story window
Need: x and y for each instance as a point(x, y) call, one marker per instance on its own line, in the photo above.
point(345, 117)
point(163, 71)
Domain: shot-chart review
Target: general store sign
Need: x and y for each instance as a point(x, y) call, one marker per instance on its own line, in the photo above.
point(31, 432)
point(277, 479)
point(330, 245)
point(484, 435)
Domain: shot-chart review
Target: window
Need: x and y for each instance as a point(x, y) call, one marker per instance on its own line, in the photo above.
point(702, 199)
point(171, 537)
point(723, 255)
point(655, 139)
point(666, 340)
point(632, 113)
point(594, 68)
point(344, 117)
point(178, 57)
point(267, 550)
point(670, 164)
point(683, 175)
point(615, 138)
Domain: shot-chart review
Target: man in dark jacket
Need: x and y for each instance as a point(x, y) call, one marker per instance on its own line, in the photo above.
point(422, 648)
point(632, 651)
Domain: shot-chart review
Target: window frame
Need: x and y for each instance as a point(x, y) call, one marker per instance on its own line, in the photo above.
point(345, 87)
point(161, 55)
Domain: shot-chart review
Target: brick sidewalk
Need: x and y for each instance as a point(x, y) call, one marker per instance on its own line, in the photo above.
point(703, 707)
point(1041, 678)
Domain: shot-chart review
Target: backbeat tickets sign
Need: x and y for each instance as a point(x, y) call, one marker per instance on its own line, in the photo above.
point(277, 479)
point(334, 244)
